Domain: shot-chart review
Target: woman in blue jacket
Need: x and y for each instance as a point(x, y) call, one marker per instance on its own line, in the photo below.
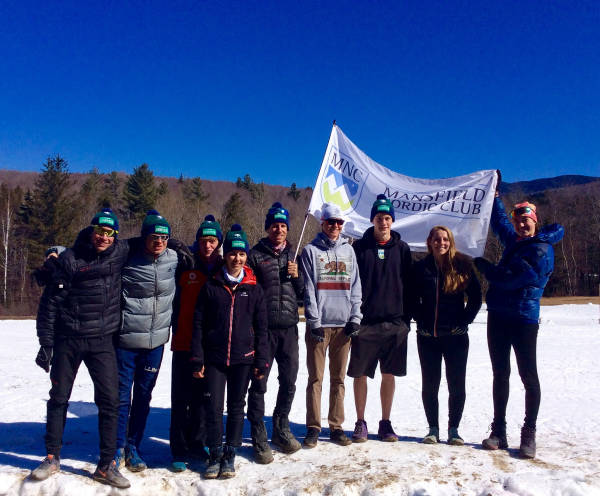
point(516, 285)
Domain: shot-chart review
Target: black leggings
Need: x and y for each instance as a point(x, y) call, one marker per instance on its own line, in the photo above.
point(454, 350)
point(522, 337)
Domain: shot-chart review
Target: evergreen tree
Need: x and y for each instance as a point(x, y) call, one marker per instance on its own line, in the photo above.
point(141, 192)
point(194, 195)
point(234, 212)
point(110, 193)
point(294, 192)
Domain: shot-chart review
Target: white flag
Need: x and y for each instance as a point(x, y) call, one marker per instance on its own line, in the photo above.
point(352, 181)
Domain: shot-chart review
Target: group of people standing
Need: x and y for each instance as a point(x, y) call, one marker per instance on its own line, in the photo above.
point(110, 302)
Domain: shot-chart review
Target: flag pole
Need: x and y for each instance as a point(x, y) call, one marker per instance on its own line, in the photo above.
point(306, 217)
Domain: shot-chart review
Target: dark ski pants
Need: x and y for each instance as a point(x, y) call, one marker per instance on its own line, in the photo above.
point(187, 433)
point(503, 334)
point(283, 347)
point(98, 355)
point(138, 369)
point(454, 350)
point(236, 379)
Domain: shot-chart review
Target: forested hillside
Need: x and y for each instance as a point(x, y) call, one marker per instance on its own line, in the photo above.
point(38, 210)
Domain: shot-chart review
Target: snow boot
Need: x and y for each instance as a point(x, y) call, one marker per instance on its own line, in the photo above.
point(213, 467)
point(312, 437)
point(178, 465)
point(133, 460)
point(50, 465)
point(110, 475)
point(497, 438)
point(361, 433)
point(385, 432)
point(282, 437)
point(527, 448)
point(454, 438)
point(228, 462)
point(260, 443)
point(433, 436)
point(120, 458)
point(338, 436)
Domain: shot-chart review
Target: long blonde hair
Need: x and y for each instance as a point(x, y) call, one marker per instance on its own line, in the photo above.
point(455, 267)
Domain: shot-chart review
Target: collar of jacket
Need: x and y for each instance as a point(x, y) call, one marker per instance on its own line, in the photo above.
point(249, 277)
point(369, 237)
point(265, 246)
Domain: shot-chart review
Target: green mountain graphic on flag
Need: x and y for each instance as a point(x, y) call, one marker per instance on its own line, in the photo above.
point(335, 197)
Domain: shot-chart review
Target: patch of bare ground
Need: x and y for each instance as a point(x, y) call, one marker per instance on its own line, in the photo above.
point(570, 300)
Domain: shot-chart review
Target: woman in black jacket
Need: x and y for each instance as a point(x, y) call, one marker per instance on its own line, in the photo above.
point(228, 345)
point(440, 283)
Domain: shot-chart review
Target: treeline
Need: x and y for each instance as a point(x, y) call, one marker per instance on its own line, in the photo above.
point(59, 204)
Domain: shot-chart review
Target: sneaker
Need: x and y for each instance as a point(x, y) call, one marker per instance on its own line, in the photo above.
point(497, 438)
point(454, 438)
point(338, 436)
point(110, 475)
point(360, 433)
point(433, 436)
point(260, 443)
point(228, 462)
point(282, 436)
point(527, 448)
point(50, 465)
point(120, 457)
point(133, 460)
point(385, 432)
point(213, 467)
point(178, 466)
point(312, 437)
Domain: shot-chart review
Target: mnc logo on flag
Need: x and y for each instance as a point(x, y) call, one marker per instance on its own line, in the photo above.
point(351, 180)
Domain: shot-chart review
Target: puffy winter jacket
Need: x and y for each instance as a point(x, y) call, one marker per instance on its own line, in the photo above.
point(148, 292)
point(332, 289)
point(281, 292)
point(438, 313)
point(83, 299)
point(384, 275)
point(518, 281)
point(230, 323)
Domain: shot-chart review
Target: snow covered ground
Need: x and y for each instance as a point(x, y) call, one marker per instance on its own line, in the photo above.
point(568, 461)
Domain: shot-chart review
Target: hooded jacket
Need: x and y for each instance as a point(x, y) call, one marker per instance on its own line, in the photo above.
point(281, 292)
point(384, 275)
point(332, 288)
point(518, 281)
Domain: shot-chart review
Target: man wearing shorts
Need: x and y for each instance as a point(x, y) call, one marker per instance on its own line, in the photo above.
point(384, 262)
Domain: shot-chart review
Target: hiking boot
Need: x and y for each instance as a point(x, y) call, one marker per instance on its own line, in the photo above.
point(213, 467)
point(360, 433)
point(338, 436)
point(433, 436)
point(260, 443)
point(178, 465)
point(282, 437)
point(312, 437)
point(453, 437)
point(133, 460)
point(50, 465)
point(120, 457)
point(527, 448)
point(110, 475)
point(497, 438)
point(228, 462)
point(385, 432)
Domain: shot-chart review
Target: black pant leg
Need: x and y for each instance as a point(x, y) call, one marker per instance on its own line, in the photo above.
point(238, 378)
point(216, 378)
point(258, 387)
point(286, 355)
point(499, 343)
point(430, 357)
point(524, 342)
point(181, 392)
point(456, 352)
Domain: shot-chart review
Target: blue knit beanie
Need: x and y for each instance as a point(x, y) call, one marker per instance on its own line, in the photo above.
point(210, 227)
point(106, 218)
point(277, 214)
point(236, 240)
point(382, 205)
point(154, 223)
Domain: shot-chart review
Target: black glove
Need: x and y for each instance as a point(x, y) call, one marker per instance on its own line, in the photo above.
point(318, 334)
point(482, 264)
point(44, 357)
point(351, 329)
point(197, 365)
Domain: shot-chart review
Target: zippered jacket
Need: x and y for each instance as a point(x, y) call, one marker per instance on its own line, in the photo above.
point(281, 292)
point(230, 323)
point(83, 297)
point(332, 289)
point(438, 313)
point(148, 289)
point(518, 281)
point(384, 275)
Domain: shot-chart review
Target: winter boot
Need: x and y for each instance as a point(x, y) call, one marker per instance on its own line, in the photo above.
point(110, 475)
point(178, 465)
point(497, 438)
point(50, 465)
point(338, 436)
point(260, 443)
point(312, 437)
point(213, 466)
point(527, 448)
point(228, 462)
point(133, 460)
point(120, 457)
point(433, 436)
point(385, 432)
point(282, 436)
point(361, 433)
point(453, 437)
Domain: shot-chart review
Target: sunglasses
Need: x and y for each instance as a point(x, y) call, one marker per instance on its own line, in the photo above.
point(522, 211)
point(104, 231)
point(159, 237)
point(333, 222)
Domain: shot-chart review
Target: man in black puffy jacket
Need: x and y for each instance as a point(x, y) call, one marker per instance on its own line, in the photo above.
point(276, 272)
point(78, 315)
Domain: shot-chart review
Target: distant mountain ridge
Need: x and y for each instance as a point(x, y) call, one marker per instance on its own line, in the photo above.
point(539, 185)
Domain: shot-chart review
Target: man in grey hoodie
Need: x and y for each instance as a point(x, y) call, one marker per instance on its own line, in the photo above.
point(332, 300)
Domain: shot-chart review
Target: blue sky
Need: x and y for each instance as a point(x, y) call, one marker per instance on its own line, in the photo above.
point(221, 89)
